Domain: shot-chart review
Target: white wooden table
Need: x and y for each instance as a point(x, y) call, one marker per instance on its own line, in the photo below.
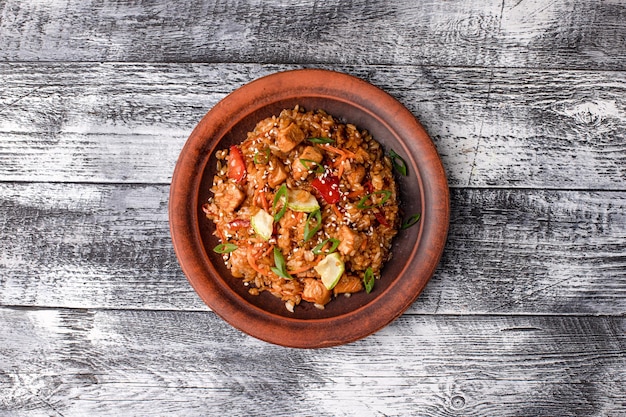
point(526, 103)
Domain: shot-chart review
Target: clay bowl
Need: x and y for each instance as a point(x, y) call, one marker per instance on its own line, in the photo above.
point(416, 250)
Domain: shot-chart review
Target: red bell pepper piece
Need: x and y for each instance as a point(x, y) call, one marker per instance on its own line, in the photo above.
point(239, 224)
point(328, 188)
point(236, 164)
point(381, 219)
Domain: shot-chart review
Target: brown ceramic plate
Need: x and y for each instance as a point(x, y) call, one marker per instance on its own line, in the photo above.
point(416, 250)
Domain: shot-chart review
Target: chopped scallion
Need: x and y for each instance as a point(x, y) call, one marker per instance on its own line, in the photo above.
point(399, 163)
point(411, 221)
point(362, 204)
point(317, 250)
point(262, 158)
point(310, 164)
point(281, 267)
point(368, 280)
point(321, 140)
point(225, 248)
point(280, 194)
point(309, 231)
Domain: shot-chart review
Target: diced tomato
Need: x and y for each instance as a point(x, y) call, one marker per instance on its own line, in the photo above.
point(328, 187)
point(236, 164)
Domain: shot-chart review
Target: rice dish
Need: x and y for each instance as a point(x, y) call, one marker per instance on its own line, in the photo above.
point(305, 207)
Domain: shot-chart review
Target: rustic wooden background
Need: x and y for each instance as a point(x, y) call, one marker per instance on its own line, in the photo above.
point(526, 103)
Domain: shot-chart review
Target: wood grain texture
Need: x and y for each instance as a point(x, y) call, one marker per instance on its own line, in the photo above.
point(525, 101)
point(512, 33)
point(508, 251)
point(563, 34)
point(86, 362)
point(91, 123)
point(127, 122)
point(382, 32)
point(553, 129)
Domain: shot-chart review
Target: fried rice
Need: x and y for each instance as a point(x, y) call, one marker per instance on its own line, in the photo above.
point(305, 208)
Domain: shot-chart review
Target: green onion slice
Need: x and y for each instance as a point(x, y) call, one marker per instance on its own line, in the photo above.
point(398, 163)
point(280, 194)
point(309, 164)
point(320, 140)
point(281, 267)
point(225, 248)
point(318, 249)
point(262, 158)
point(362, 204)
point(368, 280)
point(309, 231)
point(411, 221)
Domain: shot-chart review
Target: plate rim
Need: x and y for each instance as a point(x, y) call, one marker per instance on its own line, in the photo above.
point(185, 230)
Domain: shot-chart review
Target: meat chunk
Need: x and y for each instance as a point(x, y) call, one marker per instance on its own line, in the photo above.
point(350, 241)
point(289, 137)
point(230, 197)
point(284, 239)
point(301, 165)
point(377, 180)
point(315, 292)
point(348, 284)
point(239, 265)
point(277, 173)
point(355, 175)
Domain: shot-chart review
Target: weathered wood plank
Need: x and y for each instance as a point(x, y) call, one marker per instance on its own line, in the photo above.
point(558, 34)
point(73, 362)
point(128, 122)
point(553, 129)
point(563, 34)
point(385, 32)
point(508, 251)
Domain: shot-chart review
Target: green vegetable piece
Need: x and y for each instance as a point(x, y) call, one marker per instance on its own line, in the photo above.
point(225, 248)
point(399, 163)
point(331, 268)
point(263, 223)
point(262, 159)
point(280, 194)
point(309, 163)
point(411, 221)
point(302, 200)
point(317, 250)
point(281, 267)
point(368, 280)
point(362, 202)
point(321, 140)
point(309, 231)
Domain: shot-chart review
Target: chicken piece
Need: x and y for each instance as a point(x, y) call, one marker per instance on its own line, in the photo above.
point(230, 197)
point(289, 137)
point(239, 265)
point(277, 173)
point(284, 240)
point(301, 165)
point(348, 284)
point(315, 292)
point(350, 241)
point(355, 175)
point(377, 181)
